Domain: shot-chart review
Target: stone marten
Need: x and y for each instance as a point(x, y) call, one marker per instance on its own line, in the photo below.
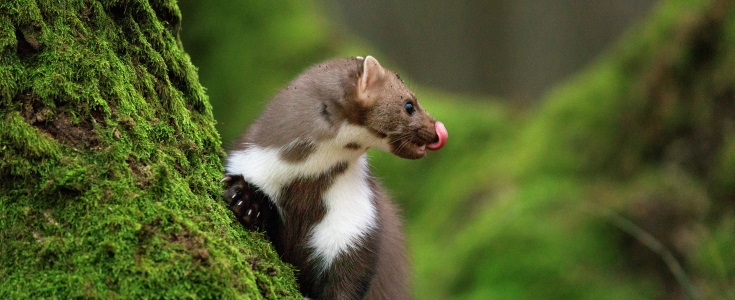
point(301, 173)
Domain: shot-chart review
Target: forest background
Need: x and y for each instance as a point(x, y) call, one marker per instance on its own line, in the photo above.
point(591, 150)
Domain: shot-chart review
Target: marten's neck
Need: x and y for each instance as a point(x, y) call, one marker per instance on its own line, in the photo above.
point(271, 168)
point(327, 180)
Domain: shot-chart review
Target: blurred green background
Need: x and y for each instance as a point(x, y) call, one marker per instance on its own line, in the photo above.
point(592, 145)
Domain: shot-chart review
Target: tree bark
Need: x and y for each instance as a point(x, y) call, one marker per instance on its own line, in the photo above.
point(110, 163)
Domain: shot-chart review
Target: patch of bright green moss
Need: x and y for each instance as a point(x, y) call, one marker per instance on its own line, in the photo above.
point(110, 162)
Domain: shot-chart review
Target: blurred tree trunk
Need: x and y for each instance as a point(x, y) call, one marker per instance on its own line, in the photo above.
point(110, 162)
point(514, 49)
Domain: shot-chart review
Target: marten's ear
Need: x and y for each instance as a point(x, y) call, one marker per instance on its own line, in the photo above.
point(372, 73)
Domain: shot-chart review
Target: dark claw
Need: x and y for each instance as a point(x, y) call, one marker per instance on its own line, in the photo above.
point(252, 208)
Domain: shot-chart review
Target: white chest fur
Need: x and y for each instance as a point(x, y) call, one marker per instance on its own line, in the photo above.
point(350, 215)
point(350, 212)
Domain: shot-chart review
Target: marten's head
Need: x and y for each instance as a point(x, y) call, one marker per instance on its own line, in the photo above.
point(391, 110)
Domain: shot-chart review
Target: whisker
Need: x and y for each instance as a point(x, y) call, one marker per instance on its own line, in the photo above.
point(402, 145)
point(402, 137)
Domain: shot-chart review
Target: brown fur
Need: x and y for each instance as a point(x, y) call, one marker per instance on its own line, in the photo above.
point(353, 146)
point(298, 151)
point(391, 280)
point(308, 110)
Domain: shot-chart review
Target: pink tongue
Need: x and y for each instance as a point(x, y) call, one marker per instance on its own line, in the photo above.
point(441, 131)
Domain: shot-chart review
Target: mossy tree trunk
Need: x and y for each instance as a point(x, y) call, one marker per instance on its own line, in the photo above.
point(109, 162)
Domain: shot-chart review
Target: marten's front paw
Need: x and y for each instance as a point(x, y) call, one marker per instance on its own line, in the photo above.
point(250, 205)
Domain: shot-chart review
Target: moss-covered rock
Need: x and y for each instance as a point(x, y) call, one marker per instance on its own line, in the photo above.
point(110, 163)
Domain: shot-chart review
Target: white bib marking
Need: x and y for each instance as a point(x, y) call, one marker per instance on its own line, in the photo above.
point(350, 214)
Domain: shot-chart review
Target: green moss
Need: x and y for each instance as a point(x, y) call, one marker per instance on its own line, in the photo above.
point(110, 162)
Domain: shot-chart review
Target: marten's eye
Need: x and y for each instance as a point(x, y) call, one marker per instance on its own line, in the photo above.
point(409, 108)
